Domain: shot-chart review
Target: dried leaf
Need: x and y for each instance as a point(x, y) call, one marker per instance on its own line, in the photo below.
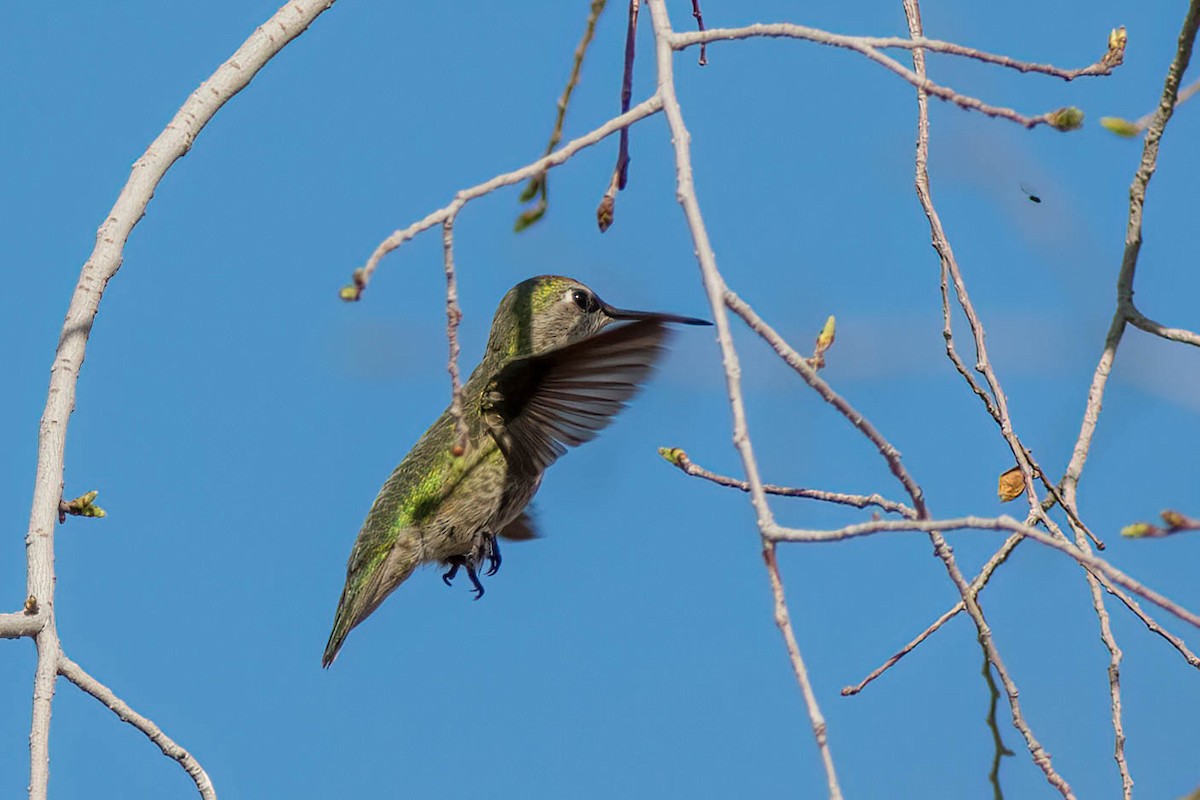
point(1011, 485)
point(604, 213)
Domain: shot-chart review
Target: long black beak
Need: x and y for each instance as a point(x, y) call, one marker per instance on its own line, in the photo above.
point(623, 313)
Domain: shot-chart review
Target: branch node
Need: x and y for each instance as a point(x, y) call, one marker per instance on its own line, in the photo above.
point(82, 506)
point(352, 292)
point(824, 342)
point(1117, 39)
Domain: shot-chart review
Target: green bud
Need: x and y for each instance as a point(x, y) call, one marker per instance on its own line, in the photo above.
point(1139, 530)
point(1119, 126)
point(1066, 119)
point(673, 455)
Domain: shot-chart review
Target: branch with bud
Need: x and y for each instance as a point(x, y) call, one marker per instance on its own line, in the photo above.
point(1173, 522)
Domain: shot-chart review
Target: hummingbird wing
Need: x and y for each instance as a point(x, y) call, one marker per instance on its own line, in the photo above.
point(539, 405)
point(521, 529)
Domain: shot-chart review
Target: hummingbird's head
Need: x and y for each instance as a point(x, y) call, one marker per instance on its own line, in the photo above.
point(550, 311)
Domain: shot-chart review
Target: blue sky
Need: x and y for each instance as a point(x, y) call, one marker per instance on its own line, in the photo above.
point(238, 419)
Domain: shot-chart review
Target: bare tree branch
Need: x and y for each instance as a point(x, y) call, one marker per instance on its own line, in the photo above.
point(362, 276)
point(1139, 320)
point(1062, 119)
point(1123, 127)
point(680, 459)
point(453, 318)
point(1104, 66)
point(1133, 246)
point(1099, 572)
point(76, 675)
point(174, 142)
point(1002, 523)
point(714, 286)
point(20, 625)
point(985, 574)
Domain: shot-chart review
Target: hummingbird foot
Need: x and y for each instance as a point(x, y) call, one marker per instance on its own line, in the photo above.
point(468, 563)
point(455, 562)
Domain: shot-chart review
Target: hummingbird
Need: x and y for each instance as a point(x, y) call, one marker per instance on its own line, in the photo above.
point(552, 376)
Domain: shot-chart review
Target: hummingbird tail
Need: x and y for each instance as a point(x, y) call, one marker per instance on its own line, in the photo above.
point(362, 595)
point(341, 629)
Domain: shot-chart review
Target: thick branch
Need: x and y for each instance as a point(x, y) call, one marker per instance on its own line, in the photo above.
point(20, 625)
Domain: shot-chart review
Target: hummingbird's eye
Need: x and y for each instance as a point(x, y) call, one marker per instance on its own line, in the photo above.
point(585, 300)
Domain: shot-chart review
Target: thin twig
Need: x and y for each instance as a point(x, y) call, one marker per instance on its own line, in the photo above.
point(1114, 678)
point(1139, 320)
point(76, 675)
point(620, 175)
point(912, 13)
point(1002, 523)
point(1182, 97)
point(784, 623)
point(1123, 127)
point(998, 748)
point(870, 47)
point(806, 371)
point(681, 41)
point(715, 288)
point(680, 459)
point(453, 318)
point(538, 185)
point(952, 351)
point(362, 276)
point(977, 585)
point(703, 60)
point(980, 581)
point(1173, 522)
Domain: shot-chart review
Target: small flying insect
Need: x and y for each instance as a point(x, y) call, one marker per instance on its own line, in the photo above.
point(1028, 191)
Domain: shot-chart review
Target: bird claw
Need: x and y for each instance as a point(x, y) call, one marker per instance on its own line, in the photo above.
point(455, 563)
point(492, 548)
point(478, 587)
